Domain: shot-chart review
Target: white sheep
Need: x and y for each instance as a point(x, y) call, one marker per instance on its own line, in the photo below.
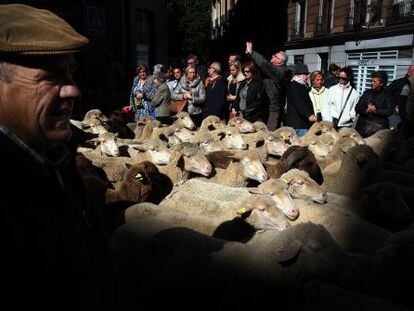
point(236, 169)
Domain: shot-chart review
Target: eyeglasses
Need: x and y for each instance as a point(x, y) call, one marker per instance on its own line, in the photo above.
point(343, 78)
point(246, 70)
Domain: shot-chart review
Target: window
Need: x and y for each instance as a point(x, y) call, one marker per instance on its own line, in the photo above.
point(363, 64)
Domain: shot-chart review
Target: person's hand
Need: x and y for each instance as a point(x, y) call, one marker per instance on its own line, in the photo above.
point(231, 97)
point(187, 95)
point(312, 118)
point(370, 108)
point(249, 47)
point(139, 95)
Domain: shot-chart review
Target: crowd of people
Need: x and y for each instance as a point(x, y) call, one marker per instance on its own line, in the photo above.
point(269, 91)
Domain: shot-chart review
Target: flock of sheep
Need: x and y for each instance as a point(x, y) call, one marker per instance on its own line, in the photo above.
point(235, 216)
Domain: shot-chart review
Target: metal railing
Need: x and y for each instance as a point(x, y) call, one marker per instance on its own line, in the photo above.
point(400, 12)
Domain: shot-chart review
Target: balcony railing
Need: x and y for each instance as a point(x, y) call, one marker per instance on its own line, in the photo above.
point(400, 12)
point(296, 30)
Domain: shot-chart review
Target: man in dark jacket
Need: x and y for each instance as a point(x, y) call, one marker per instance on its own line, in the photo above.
point(54, 249)
point(332, 77)
point(274, 83)
point(398, 91)
point(215, 103)
point(300, 114)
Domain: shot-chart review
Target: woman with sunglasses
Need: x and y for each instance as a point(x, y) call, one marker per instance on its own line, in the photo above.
point(250, 101)
point(341, 100)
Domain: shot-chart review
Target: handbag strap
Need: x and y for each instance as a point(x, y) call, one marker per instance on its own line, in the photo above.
point(346, 102)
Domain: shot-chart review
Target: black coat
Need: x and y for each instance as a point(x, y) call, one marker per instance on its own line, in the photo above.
point(255, 101)
point(54, 251)
point(215, 103)
point(299, 106)
point(369, 123)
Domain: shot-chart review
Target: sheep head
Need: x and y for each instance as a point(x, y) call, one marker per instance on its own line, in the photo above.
point(275, 144)
point(288, 135)
point(156, 151)
point(385, 206)
point(190, 157)
point(137, 183)
point(211, 123)
point(207, 143)
point(183, 133)
point(231, 138)
point(242, 125)
point(260, 126)
point(278, 191)
point(263, 214)
point(182, 119)
point(107, 143)
point(251, 165)
point(322, 146)
point(351, 133)
point(95, 114)
point(310, 251)
point(143, 120)
point(301, 186)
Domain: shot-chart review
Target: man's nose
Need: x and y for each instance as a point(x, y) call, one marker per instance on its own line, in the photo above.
point(69, 91)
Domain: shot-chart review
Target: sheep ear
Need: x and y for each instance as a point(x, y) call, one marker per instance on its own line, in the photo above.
point(181, 163)
point(221, 135)
point(244, 210)
point(94, 141)
point(139, 147)
point(163, 138)
point(128, 166)
point(291, 251)
point(259, 142)
point(255, 190)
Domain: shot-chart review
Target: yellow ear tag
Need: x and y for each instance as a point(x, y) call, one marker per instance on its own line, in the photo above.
point(242, 211)
point(285, 181)
point(139, 177)
point(284, 137)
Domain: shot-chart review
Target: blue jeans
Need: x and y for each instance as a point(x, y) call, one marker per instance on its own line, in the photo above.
point(301, 132)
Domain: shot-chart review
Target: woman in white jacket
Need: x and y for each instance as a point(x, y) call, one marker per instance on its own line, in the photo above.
point(339, 106)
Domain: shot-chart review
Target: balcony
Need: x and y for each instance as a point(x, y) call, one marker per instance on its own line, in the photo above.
point(297, 30)
point(400, 12)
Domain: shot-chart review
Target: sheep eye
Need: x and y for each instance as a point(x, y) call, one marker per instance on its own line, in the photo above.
point(300, 182)
point(228, 134)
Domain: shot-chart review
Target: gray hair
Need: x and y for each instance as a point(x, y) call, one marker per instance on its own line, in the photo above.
point(216, 66)
point(5, 73)
point(283, 57)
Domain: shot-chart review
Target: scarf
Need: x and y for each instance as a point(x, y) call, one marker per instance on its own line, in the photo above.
point(299, 79)
point(318, 91)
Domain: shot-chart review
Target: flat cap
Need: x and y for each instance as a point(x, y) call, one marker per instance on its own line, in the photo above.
point(25, 30)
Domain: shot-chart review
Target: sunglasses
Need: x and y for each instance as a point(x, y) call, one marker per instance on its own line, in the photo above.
point(246, 70)
point(343, 78)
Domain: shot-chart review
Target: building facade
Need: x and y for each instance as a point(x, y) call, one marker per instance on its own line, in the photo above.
point(367, 35)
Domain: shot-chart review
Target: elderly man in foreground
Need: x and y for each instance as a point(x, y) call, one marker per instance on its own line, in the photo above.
point(54, 251)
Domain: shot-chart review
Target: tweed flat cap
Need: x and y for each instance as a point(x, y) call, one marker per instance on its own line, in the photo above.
point(25, 30)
